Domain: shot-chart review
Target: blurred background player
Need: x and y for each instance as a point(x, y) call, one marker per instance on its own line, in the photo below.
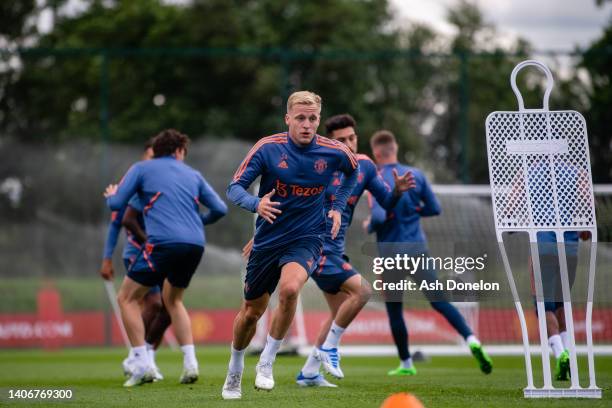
point(295, 168)
point(154, 315)
point(399, 230)
point(553, 299)
point(175, 243)
point(345, 291)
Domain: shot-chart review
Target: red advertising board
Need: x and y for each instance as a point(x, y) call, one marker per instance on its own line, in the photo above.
point(215, 327)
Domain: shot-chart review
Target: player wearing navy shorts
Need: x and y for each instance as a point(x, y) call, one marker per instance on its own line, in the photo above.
point(170, 193)
point(154, 315)
point(345, 291)
point(558, 339)
point(399, 231)
point(295, 168)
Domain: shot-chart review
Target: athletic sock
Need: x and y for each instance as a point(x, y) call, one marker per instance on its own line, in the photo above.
point(471, 339)
point(151, 352)
point(189, 358)
point(407, 363)
point(312, 365)
point(140, 355)
point(333, 336)
point(565, 339)
point(236, 363)
point(556, 344)
point(268, 355)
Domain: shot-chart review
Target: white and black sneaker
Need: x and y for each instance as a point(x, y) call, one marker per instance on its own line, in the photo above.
point(232, 389)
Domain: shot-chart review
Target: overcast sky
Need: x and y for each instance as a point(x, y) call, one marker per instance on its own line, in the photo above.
point(546, 24)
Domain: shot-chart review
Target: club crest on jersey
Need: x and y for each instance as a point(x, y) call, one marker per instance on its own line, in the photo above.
point(320, 166)
point(283, 162)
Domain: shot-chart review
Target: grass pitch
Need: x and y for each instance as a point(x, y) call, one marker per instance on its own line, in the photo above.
point(95, 377)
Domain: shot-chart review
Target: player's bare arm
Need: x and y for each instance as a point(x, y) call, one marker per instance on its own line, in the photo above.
point(130, 222)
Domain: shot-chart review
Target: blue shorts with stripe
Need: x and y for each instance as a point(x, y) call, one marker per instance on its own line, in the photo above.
point(332, 272)
point(128, 265)
point(264, 266)
point(175, 262)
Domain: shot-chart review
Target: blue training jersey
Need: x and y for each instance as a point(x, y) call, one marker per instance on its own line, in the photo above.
point(170, 193)
point(367, 179)
point(131, 249)
point(299, 174)
point(402, 223)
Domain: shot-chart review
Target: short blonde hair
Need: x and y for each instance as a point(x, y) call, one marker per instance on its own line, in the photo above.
point(303, 98)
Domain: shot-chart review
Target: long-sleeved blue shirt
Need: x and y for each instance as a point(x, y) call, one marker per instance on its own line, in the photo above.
point(170, 193)
point(368, 179)
point(299, 174)
point(402, 223)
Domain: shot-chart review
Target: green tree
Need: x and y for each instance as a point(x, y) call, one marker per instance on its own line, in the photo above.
point(221, 92)
point(597, 60)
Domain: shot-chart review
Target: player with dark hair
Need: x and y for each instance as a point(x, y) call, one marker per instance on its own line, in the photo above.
point(295, 168)
point(154, 315)
point(345, 291)
point(400, 229)
point(170, 193)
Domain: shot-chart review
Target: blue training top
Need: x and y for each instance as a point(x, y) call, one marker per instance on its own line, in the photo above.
point(299, 174)
point(170, 193)
point(402, 223)
point(368, 179)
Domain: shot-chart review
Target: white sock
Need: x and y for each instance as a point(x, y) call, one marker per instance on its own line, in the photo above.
point(312, 365)
point(472, 339)
point(407, 363)
point(151, 353)
point(236, 363)
point(565, 339)
point(556, 344)
point(333, 336)
point(131, 353)
point(268, 355)
point(189, 358)
point(140, 355)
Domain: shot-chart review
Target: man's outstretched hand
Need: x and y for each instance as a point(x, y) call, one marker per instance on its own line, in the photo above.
point(402, 183)
point(267, 208)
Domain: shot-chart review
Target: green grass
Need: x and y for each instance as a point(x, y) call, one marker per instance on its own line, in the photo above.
point(95, 377)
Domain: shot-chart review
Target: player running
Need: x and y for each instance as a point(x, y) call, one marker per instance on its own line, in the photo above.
point(171, 193)
point(295, 169)
point(402, 226)
point(550, 270)
point(558, 339)
point(154, 315)
point(345, 291)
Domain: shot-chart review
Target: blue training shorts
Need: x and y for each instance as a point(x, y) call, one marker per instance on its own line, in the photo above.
point(264, 266)
point(332, 271)
point(551, 280)
point(175, 262)
point(129, 264)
